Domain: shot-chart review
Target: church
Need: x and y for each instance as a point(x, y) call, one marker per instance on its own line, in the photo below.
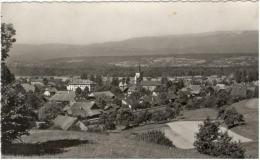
point(139, 82)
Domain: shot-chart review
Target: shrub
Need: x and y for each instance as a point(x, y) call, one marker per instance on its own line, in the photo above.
point(124, 117)
point(155, 136)
point(210, 140)
point(231, 117)
point(109, 121)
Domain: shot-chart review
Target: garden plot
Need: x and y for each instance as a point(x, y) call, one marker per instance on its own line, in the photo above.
point(182, 133)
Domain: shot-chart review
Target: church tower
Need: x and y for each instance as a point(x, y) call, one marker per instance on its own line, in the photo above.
point(138, 75)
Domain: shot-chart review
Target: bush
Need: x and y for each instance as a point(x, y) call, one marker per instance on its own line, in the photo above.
point(109, 121)
point(49, 111)
point(155, 136)
point(210, 140)
point(231, 117)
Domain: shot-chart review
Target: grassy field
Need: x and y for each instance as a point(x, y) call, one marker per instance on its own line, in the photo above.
point(200, 114)
point(74, 144)
point(114, 145)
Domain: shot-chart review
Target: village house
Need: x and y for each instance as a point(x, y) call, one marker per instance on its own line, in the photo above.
point(84, 110)
point(104, 94)
point(49, 91)
point(66, 97)
point(64, 122)
point(193, 89)
point(38, 81)
point(28, 87)
point(80, 83)
point(150, 85)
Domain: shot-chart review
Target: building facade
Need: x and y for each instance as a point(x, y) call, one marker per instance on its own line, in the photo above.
point(80, 83)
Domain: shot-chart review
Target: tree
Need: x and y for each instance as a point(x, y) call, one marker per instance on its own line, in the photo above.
point(210, 140)
point(7, 39)
point(49, 111)
point(125, 117)
point(180, 84)
point(45, 81)
point(231, 117)
point(208, 132)
point(84, 76)
point(78, 93)
point(15, 115)
point(164, 80)
point(92, 77)
point(85, 92)
point(33, 100)
point(164, 98)
point(222, 98)
point(99, 80)
point(127, 80)
point(6, 75)
point(115, 81)
point(109, 120)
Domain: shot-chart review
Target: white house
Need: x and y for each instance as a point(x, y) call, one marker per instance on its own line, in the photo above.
point(81, 83)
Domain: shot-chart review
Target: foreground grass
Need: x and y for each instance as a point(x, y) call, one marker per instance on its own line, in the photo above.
point(116, 145)
point(249, 108)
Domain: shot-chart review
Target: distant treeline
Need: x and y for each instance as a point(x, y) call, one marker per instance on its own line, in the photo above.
point(116, 71)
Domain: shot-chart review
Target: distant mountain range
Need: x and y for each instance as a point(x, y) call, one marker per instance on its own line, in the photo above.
point(202, 43)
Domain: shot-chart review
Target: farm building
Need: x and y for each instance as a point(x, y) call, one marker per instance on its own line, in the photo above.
point(84, 110)
point(64, 122)
point(104, 94)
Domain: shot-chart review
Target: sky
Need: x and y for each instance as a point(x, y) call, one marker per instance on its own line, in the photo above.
point(85, 23)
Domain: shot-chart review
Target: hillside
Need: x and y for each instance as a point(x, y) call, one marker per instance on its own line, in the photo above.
point(203, 43)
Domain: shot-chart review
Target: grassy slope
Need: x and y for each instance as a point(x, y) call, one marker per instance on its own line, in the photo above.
point(107, 146)
point(249, 108)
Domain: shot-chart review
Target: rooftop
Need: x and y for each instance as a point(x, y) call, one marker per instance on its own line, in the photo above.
point(85, 109)
point(80, 82)
point(63, 96)
point(150, 83)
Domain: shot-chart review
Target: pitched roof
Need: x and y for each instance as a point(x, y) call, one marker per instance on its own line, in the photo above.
point(195, 89)
point(108, 94)
point(36, 80)
point(28, 87)
point(64, 122)
point(63, 96)
point(80, 82)
point(51, 89)
point(84, 109)
point(51, 84)
point(150, 83)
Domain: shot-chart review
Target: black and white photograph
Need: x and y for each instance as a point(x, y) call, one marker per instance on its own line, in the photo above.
point(130, 80)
